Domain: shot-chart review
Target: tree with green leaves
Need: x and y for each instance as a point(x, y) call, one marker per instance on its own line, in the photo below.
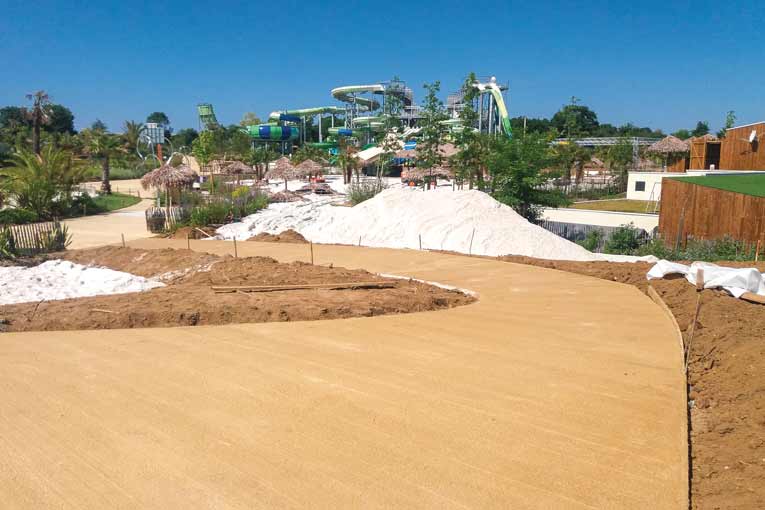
point(469, 162)
point(730, 121)
point(184, 138)
point(42, 183)
point(103, 146)
point(260, 157)
point(99, 125)
point(347, 160)
point(389, 138)
point(39, 114)
point(250, 119)
point(60, 120)
point(131, 134)
point(432, 130)
point(619, 160)
point(682, 134)
point(158, 118)
point(701, 129)
point(575, 120)
point(516, 167)
point(204, 147)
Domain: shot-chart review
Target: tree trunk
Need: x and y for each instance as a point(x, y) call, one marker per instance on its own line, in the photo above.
point(106, 186)
point(36, 134)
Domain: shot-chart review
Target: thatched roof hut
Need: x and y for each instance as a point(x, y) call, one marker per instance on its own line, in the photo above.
point(669, 145)
point(309, 167)
point(417, 174)
point(447, 150)
point(168, 177)
point(237, 167)
point(282, 169)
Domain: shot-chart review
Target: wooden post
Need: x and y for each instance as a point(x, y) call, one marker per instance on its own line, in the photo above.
point(757, 251)
point(699, 288)
point(123, 240)
point(236, 254)
point(359, 240)
point(470, 250)
point(420, 238)
point(311, 252)
point(188, 240)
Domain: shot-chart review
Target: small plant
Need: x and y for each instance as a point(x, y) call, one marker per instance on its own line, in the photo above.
point(57, 239)
point(17, 217)
point(360, 191)
point(7, 244)
point(624, 240)
point(593, 240)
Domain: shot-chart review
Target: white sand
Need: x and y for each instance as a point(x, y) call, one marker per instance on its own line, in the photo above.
point(60, 279)
point(400, 217)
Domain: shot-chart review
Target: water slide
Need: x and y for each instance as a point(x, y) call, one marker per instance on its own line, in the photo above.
point(296, 115)
point(348, 94)
point(492, 88)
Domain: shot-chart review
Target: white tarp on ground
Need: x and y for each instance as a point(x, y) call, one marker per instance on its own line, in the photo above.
point(61, 279)
point(735, 281)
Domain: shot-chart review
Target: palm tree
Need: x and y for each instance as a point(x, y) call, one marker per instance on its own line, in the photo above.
point(103, 146)
point(348, 162)
point(40, 182)
point(132, 134)
point(39, 114)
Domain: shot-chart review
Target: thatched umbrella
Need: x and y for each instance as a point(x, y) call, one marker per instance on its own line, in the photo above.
point(310, 167)
point(168, 177)
point(669, 146)
point(282, 169)
point(420, 173)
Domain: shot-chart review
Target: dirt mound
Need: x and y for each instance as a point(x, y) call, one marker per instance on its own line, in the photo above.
point(189, 300)
point(148, 263)
point(726, 378)
point(288, 236)
point(192, 233)
point(285, 196)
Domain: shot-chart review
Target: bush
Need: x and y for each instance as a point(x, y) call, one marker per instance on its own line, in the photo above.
point(592, 241)
point(360, 191)
point(7, 244)
point(702, 250)
point(624, 240)
point(17, 217)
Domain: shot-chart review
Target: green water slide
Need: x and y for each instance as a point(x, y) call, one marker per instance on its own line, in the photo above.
point(207, 115)
point(492, 88)
point(306, 112)
point(349, 94)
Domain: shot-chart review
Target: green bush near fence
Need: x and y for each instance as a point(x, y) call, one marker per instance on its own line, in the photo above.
point(17, 217)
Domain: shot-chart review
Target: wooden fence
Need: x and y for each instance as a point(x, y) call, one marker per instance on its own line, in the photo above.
point(36, 238)
point(699, 212)
point(161, 219)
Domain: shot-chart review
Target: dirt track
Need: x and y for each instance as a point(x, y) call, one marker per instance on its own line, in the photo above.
point(552, 391)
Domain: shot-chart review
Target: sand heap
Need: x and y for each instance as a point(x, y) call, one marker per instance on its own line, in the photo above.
point(61, 279)
point(402, 217)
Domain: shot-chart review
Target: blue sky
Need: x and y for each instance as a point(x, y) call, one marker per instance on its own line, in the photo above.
point(663, 64)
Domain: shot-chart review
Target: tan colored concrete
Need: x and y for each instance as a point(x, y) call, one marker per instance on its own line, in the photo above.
point(553, 391)
point(108, 228)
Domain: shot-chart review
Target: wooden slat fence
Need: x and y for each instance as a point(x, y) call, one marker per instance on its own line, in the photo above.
point(690, 211)
point(36, 238)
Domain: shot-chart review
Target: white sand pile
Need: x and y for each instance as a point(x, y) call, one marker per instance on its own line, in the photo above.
point(397, 217)
point(60, 279)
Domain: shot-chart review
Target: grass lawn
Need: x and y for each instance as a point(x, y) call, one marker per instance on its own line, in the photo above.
point(629, 206)
point(747, 184)
point(115, 201)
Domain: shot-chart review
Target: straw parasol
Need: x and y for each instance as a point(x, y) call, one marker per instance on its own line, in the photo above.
point(237, 167)
point(309, 167)
point(669, 145)
point(446, 150)
point(168, 177)
point(417, 174)
point(282, 169)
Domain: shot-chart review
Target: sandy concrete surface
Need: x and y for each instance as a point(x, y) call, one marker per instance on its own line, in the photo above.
point(554, 390)
point(108, 228)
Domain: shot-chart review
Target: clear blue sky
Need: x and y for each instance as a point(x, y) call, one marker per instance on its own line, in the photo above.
point(663, 64)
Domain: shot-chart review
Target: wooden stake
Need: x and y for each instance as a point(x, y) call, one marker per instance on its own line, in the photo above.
point(188, 240)
point(699, 288)
point(420, 237)
point(236, 255)
point(757, 251)
point(328, 286)
point(123, 240)
point(359, 240)
point(470, 250)
point(311, 252)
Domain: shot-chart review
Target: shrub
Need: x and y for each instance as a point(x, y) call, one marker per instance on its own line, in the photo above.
point(624, 240)
point(592, 240)
point(17, 217)
point(7, 244)
point(360, 191)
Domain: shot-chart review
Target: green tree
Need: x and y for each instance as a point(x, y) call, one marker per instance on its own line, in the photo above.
point(250, 119)
point(204, 147)
point(682, 134)
point(432, 129)
point(158, 118)
point(347, 160)
point(99, 125)
point(103, 146)
point(730, 121)
point(619, 160)
point(701, 129)
point(42, 183)
point(61, 120)
point(575, 120)
point(260, 157)
point(39, 114)
point(516, 166)
point(238, 144)
point(469, 162)
point(131, 134)
point(184, 138)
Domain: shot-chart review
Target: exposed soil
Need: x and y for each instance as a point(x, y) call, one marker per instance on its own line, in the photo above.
point(192, 233)
point(188, 299)
point(288, 236)
point(726, 378)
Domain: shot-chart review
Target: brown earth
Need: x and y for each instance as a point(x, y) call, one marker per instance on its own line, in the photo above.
point(726, 382)
point(288, 236)
point(189, 300)
point(191, 233)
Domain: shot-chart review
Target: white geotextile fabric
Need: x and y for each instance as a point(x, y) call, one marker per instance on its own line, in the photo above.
point(735, 281)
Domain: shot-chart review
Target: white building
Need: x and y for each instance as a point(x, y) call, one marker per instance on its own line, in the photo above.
point(647, 185)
